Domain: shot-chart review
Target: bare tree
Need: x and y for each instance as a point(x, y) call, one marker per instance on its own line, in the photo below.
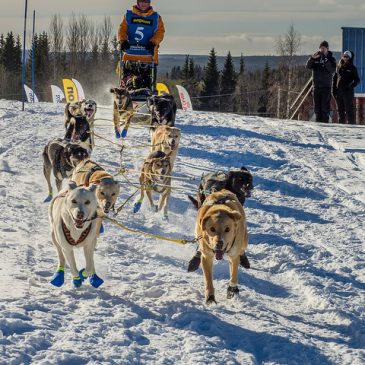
point(84, 40)
point(72, 41)
point(106, 30)
point(287, 47)
point(57, 42)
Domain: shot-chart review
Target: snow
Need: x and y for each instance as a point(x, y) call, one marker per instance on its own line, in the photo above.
point(301, 303)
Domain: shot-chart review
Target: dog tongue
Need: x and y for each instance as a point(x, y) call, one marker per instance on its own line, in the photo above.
point(219, 255)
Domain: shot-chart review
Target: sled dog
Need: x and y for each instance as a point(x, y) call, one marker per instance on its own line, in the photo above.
point(166, 139)
point(163, 110)
point(122, 110)
point(156, 176)
point(61, 157)
point(107, 191)
point(222, 230)
point(75, 223)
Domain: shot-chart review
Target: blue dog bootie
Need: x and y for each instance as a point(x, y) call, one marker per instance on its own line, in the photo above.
point(82, 275)
point(117, 134)
point(124, 132)
point(137, 206)
point(58, 278)
point(95, 281)
point(101, 229)
point(77, 282)
point(48, 199)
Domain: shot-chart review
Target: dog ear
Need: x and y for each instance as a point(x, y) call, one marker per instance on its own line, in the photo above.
point(235, 215)
point(112, 90)
point(203, 222)
point(72, 185)
point(93, 187)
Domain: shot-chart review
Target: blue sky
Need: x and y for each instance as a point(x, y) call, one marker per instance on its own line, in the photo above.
point(195, 26)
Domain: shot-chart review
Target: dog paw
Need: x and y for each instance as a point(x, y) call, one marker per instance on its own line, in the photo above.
point(124, 133)
point(244, 261)
point(155, 208)
point(95, 281)
point(117, 134)
point(211, 300)
point(48, 199)
point(194, 264)
point(77, 282)
point(137, 206)
point(58, 278)
point(82, 275)
point(232, 291)
point(165, 218)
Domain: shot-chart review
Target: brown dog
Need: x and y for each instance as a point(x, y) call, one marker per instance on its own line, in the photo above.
point(122, 110)
point(156, 176)
point(107, 191)
point(166, 139)
point(221, 228)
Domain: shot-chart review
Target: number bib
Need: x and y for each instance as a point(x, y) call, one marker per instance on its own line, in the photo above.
point(140, 30)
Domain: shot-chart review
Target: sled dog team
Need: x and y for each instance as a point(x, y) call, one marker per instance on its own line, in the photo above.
point(76, 213)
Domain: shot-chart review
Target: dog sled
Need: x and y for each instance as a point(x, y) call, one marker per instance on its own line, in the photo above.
point(137, 72)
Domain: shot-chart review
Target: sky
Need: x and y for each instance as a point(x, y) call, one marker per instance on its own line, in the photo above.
point(195, 26)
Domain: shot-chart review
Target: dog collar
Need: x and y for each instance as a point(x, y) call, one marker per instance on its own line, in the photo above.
point(220, 201)
point(69, 238)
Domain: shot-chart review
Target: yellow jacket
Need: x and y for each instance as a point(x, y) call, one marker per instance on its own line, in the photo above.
point(157, 37)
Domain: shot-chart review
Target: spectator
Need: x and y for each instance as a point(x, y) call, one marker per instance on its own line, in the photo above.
point(323, 66)
point(344, 82)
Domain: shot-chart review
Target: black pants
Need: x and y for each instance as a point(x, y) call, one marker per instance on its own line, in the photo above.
point(345, 105)
point(322, 104)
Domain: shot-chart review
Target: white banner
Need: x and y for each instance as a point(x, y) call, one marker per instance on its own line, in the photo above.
point(57, 94)
point(185, 99)
point(80, 90)
point(31, 97)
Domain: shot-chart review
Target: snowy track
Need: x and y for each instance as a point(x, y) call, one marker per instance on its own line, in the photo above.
point(302, 302)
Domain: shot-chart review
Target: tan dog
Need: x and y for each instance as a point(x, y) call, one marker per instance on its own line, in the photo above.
point(222, 229)
point(122, 110)
point(107, 191)
point(166, 139)
point(155, 176)
point(71, 110)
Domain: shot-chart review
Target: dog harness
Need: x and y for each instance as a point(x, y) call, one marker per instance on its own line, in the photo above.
point(90, 172)
point(69, 238)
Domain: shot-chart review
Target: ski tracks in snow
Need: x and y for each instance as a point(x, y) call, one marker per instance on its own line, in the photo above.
point(301, 303)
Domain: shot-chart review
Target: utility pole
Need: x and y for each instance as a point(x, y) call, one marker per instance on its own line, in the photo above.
point(23, 63)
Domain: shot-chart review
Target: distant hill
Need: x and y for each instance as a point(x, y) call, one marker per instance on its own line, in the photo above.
point(253, 63)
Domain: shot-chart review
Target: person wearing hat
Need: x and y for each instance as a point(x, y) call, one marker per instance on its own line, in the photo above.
point(344, 82)
point(142, 30)
point(323, 66)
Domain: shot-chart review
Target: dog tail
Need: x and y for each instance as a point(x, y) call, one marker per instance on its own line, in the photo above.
point(194, 201)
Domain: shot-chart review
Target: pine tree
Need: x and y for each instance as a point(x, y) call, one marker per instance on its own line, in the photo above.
point(241, 101)
point(228, 84)
point(211, 83)
point(266, 83)
point(185, 69)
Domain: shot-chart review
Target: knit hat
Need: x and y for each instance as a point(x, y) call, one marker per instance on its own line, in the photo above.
point(348, 53)
point(324, 44)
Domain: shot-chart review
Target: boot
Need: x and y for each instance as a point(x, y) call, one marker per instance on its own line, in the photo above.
point(244, 261)
point(194, 263)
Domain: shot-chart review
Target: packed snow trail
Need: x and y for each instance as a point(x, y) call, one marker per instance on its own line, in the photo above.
point(301, 303)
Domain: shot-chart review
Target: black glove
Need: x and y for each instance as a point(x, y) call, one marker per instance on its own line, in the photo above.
point(150, 46)
point(125, 45)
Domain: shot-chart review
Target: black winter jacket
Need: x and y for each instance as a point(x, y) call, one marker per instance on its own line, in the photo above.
point(346, 77)
point(323, 69)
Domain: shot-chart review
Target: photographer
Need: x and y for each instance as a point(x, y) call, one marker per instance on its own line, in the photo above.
point(323, 66)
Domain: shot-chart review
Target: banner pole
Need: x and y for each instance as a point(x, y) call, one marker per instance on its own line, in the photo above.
point(23, 62)
point(33, 50)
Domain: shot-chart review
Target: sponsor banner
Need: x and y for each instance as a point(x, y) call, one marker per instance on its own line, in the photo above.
point(70, 90)
point(31, 97)
point(162, 88)
point(185, 99)
point(80, 90)
point(57, 94)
